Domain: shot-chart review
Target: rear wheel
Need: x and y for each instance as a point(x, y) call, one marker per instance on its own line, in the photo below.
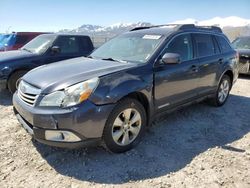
point(125, 126)
point(222, 92)
point(13, 80)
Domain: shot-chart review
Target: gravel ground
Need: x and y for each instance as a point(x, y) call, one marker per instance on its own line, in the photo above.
point(199, 146)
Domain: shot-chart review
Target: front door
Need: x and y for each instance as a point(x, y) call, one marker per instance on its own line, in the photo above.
point(69, 48)
point(176, 83)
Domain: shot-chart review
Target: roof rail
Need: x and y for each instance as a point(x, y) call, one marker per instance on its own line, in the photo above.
point(139, 28)
point(212, 28)
point(148, 27)
point(183, 27)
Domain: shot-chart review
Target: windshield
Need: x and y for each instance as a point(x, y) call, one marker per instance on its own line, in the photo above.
point(4, 39)
point(39, 44)
point(129, 47)
point(1, 37)
point(242, 43)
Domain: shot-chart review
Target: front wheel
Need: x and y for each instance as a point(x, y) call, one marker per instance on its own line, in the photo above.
point(125, 126)
point(222, 92)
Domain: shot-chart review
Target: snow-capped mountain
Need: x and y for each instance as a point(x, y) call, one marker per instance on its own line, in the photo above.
point(106, 30)
point(117, 28)
point(232, 26)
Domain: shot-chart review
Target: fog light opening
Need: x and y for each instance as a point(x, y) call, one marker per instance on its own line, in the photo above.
point(61, 136)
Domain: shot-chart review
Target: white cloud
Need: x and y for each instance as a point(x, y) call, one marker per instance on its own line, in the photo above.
point(232, 21)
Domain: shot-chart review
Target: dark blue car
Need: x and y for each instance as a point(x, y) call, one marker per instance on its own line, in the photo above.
point(44, 49)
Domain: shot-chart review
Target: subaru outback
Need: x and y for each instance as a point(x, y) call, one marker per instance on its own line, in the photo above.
point(110, 97)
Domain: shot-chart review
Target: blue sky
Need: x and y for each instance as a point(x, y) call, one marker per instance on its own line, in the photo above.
point(52, 15)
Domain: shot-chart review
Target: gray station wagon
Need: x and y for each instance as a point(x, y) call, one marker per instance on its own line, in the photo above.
point(113, 95)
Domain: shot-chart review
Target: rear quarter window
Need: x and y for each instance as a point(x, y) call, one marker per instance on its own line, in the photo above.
point(224, 44)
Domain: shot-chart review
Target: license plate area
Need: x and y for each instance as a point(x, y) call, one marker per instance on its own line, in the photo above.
point(24, 114)
point(25, 125)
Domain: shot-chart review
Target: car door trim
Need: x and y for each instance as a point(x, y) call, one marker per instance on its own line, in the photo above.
point(164, 105)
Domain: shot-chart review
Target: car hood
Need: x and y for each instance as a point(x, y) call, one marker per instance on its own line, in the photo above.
point(62, 74)
point(243, 51)
point(15, 55)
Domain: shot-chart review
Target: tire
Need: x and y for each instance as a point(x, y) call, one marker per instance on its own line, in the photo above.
point(222, 92)
point(127, 131)
point(12, 82)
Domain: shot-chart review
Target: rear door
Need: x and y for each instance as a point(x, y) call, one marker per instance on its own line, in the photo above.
point(176, 83)
point(228, 56)
point(208, 55)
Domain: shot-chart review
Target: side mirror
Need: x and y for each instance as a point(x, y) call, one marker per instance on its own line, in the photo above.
point(5, 47)
point(171, 58)
point(55, 50)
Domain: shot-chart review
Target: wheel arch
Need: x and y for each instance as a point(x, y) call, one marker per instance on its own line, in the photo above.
point(142, 98)
point(15, 71)
point(230, 74)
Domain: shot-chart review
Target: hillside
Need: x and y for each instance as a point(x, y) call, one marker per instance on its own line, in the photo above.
point(232, 26)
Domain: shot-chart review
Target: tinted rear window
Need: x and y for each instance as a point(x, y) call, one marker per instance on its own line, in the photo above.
point(204, 45)
point(68, 44)
point(86, 44)
point(22, 39)
point(224, 44)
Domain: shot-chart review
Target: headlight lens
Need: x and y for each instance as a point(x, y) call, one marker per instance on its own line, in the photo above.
point(53, 99)
point(72, 95)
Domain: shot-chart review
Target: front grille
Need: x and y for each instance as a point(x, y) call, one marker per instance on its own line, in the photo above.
point(244, 67)
point(28, 98)
point(28, 93)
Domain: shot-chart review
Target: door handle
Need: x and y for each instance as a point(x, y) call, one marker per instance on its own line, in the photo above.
point(194, 68)
point(220, 60)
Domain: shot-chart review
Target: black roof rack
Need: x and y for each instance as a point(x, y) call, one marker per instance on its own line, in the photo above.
point(148, 27)
point(139, 28)
point(183, 27)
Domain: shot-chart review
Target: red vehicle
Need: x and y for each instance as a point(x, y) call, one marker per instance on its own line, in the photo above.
point(14, 41)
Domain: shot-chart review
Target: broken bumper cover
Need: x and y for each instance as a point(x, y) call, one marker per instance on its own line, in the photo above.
point(80, 126)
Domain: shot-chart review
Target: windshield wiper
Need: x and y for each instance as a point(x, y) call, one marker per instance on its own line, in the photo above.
point(27, 50)
point(116, 60)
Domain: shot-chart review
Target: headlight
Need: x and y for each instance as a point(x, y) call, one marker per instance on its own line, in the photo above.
point(72, 95)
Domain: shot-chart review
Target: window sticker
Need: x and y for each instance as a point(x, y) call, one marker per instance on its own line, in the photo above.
point(152, 37)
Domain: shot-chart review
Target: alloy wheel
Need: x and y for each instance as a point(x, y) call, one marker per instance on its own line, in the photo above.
point(126, 127)
point(223, 91)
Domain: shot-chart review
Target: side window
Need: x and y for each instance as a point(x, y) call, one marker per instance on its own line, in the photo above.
point(224, 45)
point(67, 44)
point(204, 45)
point(85, 44)
point(181, 45)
